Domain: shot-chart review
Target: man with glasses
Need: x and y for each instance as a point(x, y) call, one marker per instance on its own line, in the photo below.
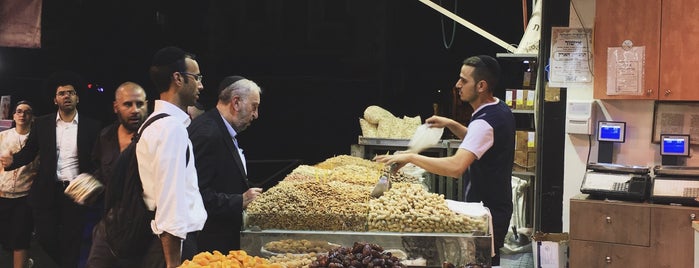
point(16, 222)
point(166, 161)
point(486, 154)
point(63, 141)
point(220, 162)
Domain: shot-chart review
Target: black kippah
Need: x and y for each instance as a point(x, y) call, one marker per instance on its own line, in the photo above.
point(228, 80)
point(167, 56)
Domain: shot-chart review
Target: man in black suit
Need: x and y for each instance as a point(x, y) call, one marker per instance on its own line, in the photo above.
point(63, 141)
point(221, 165)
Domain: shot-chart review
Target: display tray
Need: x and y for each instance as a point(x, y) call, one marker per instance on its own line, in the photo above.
point(404, 142)
point(435, 248)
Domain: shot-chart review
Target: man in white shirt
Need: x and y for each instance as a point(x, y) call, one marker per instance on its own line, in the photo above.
point(165, 156)
point(63, 141)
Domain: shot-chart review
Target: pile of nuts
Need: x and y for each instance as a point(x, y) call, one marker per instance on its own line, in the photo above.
point(294, 260)
point(311, 205)
point(335, 196)
point(299, 246)
point(410, 208)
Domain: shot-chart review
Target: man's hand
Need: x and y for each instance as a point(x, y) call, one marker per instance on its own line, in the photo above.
point(6, 158)
point(438, 121)
point(250, 195)
point(399, 159)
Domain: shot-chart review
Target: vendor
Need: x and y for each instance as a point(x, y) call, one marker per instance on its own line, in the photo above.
point(484, 158)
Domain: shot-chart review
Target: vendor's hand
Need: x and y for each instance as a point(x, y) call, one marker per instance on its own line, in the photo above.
point(438, 121)
point(6, 158)
point(250, 195)
point(400, 159)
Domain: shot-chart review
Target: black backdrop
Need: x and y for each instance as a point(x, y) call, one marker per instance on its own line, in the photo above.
point(320, 63)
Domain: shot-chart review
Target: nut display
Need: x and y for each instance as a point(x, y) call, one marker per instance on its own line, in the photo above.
point(299, 246)
point(410, 208)
point(335, 196)
point(294, 260)
point(311, 205)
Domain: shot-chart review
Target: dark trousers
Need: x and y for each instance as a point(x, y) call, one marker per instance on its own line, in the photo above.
point(501, 222)
point(102, 257)
point(59, 230)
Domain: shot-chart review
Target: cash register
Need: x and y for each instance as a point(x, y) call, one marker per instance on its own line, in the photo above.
point(614, 181)
point(675, 183)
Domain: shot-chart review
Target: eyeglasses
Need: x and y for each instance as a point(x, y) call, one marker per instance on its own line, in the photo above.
point(197, 77)
point(66, 92)
point(23, 112)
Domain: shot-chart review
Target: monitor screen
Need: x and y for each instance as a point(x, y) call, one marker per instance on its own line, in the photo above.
point(671, 144)
point(611, 131)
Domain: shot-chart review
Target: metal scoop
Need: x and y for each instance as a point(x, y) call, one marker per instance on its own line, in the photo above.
point(384, 183)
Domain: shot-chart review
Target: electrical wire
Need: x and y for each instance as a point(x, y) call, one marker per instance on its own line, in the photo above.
point(589, 149)
point(587, 40)
point(453, 28)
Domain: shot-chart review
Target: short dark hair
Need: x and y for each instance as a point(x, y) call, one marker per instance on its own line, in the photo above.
point(485, 68)
point(63, 78)
point(165, 62)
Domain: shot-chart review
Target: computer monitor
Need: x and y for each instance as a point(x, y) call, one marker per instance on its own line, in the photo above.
point(674, 144)
point(611, 131)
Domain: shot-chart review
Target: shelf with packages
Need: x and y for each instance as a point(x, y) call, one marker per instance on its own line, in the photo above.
point(367, 148)
point(519, 79)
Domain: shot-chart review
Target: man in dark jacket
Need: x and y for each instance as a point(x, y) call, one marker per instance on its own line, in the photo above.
point(221, 165)
point(63, 141)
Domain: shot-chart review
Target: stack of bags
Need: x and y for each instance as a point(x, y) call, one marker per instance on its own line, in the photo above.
point(380, 123)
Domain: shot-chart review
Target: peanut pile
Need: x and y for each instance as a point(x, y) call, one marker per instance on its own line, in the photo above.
point(410, 208)
point(335, 196)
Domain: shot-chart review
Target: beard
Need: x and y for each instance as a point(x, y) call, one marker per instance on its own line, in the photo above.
point(130, 125)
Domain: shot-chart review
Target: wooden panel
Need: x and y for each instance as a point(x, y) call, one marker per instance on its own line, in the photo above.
point(596, 254)
point(672, 236)
point(613, 222)
point(619, 20)
point(679, 42)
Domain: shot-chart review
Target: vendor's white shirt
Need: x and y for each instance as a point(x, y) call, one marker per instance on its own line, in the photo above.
point(479, 137)
point(169, 184)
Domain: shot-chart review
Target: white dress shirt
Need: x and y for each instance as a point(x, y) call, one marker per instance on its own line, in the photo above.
point(232, 132)
point(67, 148)
point(170, 186)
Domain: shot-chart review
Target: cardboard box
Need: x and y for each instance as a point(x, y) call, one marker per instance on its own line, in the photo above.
point(521, 140)
point(550, 250)
point(520, 163)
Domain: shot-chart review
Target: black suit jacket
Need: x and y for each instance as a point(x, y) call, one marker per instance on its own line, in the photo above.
point(222, 180)
point(42, 142)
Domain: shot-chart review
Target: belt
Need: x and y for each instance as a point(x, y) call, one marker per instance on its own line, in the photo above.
point(63, 184)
